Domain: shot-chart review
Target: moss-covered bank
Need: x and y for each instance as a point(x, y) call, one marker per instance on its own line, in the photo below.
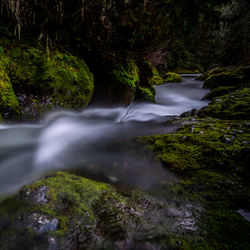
point(211, 157)
point(235, 105)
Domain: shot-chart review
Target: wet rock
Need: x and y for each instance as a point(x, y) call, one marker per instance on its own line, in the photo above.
point(52, 243)
point(192, 112)
point(37, 196)
point(41, 223)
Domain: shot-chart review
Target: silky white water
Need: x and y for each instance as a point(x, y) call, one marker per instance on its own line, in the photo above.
point(97, 142)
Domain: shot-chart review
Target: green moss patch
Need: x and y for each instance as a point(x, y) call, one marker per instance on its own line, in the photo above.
point(126, 75)
point(79, 206)
point(212, 158)
point(8, 100)
point(229, 76)
point(231, 106)
point(219, 92)
point(157, 80)
point(43, 80)
point(173, 78)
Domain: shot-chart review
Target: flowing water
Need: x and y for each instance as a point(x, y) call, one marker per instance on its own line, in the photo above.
point(97, 142)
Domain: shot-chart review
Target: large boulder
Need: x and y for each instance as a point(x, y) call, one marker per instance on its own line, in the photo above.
point(228, 76)
point(66, 211)
point(45, 80)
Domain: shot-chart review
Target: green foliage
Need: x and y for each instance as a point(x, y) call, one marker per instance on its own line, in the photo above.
point(173, 78)
point(235, 36)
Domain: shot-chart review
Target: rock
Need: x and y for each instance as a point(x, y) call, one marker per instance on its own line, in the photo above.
point(37, 196)
point(227, 76)
point(41, 223)
point(43, 82)
point(157, 80)
point(172, 78)
point(192, 112)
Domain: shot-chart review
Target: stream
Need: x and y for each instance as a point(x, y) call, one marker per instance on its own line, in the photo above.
point(97, 142)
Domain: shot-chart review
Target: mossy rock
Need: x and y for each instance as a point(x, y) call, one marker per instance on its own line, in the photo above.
point(145, 94)
point(188, 148)
point(229, 76)
point(173, 78)
point(211, 157)
point(9, 106)
point(219, 92)
point(74, 211)
point(234, 106)
point(126, 76)
point(145, 90)
point(157, 80)
point(44, 81)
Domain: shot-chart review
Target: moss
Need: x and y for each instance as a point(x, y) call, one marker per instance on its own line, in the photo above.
point(58, 79)
point(229, 76)
point(219, 92)
point(155, 71)
point(145, 94)
point(127, 75)
point(173, 78)
point(8, 99)
point(92, 209)
point(157, 80)
point(211, 156)
point(231, 106)
point(197, 142)
point(145, 90)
